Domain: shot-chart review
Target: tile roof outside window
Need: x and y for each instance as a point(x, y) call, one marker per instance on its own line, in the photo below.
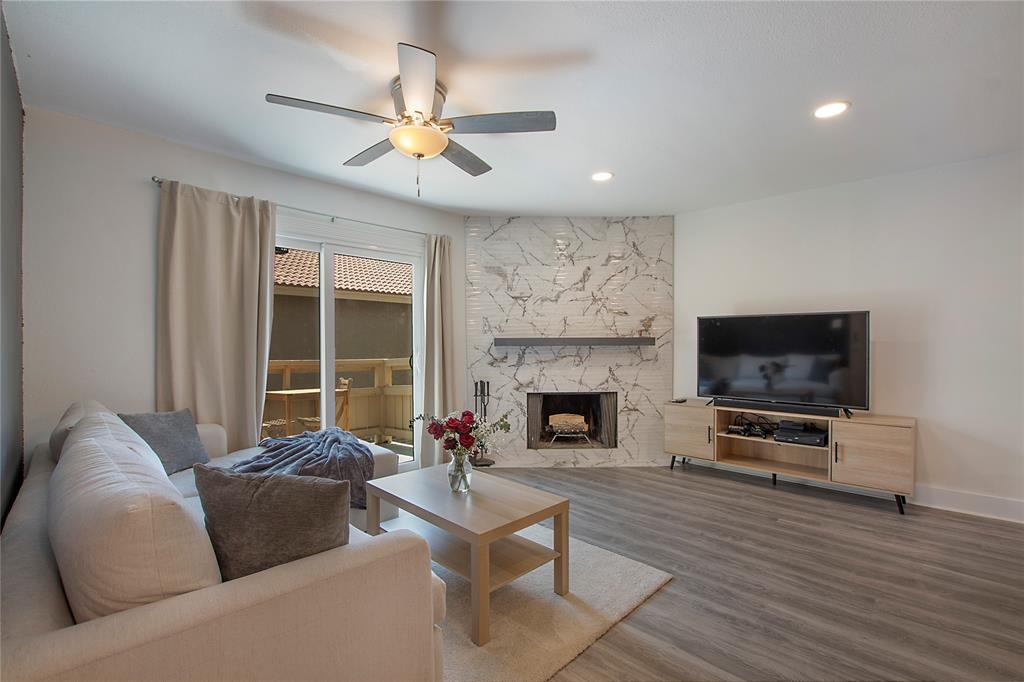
point(299, 268)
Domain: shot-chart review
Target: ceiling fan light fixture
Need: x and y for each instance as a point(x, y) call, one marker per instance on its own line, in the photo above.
point(831, 109)
point(418, 140)
point(420, 132)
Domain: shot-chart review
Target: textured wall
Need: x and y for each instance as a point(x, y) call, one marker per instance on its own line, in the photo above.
point(573, 277)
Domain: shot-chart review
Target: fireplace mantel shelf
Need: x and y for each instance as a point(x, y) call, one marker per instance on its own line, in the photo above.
point(574, 340)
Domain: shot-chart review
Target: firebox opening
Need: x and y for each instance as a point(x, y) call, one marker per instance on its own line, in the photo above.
point(572, 420)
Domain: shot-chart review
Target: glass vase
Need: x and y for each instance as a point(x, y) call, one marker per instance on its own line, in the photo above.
point(460, 473)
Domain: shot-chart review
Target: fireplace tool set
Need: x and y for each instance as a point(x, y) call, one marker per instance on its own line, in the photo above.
point(481, 399)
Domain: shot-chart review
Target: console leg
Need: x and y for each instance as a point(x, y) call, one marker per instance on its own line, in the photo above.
point(672, 464)
point(899, 503)
point(773, 479)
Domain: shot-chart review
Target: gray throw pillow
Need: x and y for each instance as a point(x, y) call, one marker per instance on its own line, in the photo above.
point(172, 435)
point(257, 521)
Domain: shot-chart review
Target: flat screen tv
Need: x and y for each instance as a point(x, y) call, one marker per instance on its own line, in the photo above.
point(817, 359)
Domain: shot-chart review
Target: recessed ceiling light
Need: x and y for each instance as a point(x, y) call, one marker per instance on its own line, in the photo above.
point(831, 109)
point(602, 176)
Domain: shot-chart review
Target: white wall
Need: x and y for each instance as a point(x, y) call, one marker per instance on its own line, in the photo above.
point(90, 253)
point(936, 256)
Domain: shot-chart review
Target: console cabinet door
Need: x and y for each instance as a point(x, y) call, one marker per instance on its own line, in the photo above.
point(689, 431)
point(873, 456)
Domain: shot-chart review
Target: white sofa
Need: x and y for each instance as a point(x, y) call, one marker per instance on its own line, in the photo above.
point(370, 610)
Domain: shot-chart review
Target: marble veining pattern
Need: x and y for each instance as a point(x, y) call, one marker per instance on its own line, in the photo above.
point(573, 277)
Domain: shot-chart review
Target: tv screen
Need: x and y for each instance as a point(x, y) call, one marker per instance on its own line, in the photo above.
point(804, 358)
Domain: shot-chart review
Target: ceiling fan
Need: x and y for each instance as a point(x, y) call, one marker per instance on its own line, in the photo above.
point(418, 131)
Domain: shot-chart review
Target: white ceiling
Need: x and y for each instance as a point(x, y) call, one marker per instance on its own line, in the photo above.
point(690, 104)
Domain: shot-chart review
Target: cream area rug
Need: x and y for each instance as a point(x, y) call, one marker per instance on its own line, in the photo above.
point(535, 632)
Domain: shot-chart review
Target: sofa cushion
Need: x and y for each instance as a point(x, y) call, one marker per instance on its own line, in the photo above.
point(185, 481)
point(385, 463)
point(172, 435)
point(438, 592)
point(120, 531)
point(32, 599)
point(74, 414)
point(258, 521)
point(107, 427)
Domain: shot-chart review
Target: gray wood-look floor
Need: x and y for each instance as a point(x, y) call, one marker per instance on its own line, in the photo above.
point(794, 582)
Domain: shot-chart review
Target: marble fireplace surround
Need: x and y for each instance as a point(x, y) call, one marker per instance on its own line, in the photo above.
point(572, 277)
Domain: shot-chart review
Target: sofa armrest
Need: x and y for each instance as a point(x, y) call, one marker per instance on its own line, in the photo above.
point(384, 464)
point(214, 439)
point(335, 615)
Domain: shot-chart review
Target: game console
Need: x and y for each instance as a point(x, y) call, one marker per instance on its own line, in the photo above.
point(800, 433)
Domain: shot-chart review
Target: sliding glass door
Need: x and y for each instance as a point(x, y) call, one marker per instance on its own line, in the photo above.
point(373, 345)
point(292, 402)
point(346, 344)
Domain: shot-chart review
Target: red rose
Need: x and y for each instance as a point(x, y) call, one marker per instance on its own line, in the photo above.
point(450, 443)
point(466, 440)
point(463, 428)
point(435, 429)
point(468, 417)
point(452, 424)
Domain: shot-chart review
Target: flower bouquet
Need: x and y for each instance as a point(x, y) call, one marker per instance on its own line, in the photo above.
point(462, 436)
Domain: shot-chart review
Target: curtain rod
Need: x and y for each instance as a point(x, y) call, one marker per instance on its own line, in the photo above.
point(158, 180)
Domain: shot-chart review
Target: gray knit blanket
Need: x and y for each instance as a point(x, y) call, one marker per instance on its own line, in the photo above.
point(331, 453)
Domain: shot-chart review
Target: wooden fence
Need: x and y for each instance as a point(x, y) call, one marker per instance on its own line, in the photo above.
point(378, 413)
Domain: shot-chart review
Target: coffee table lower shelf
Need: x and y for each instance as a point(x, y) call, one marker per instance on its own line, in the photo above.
point(511, 556)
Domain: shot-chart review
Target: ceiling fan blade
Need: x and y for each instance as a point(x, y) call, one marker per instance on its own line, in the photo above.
point(327, 109)
point(438, 103)
point(418, 70)
point(511, 122)
point(465, 159)
point(371, 153)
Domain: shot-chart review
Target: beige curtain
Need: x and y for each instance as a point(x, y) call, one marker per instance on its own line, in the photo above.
point(214, 303)
point(439, 368)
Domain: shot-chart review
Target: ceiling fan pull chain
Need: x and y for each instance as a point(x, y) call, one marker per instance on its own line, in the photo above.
point(418, 157)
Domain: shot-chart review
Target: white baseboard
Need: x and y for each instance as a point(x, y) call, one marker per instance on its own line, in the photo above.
point(1005, 508)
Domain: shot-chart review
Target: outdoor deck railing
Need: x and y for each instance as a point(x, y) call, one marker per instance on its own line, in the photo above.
point(380, 413)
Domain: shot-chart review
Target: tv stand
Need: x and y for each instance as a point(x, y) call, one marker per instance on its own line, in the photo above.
point(865, 451)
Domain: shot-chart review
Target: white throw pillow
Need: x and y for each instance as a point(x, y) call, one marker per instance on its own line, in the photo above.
point(122, 534)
